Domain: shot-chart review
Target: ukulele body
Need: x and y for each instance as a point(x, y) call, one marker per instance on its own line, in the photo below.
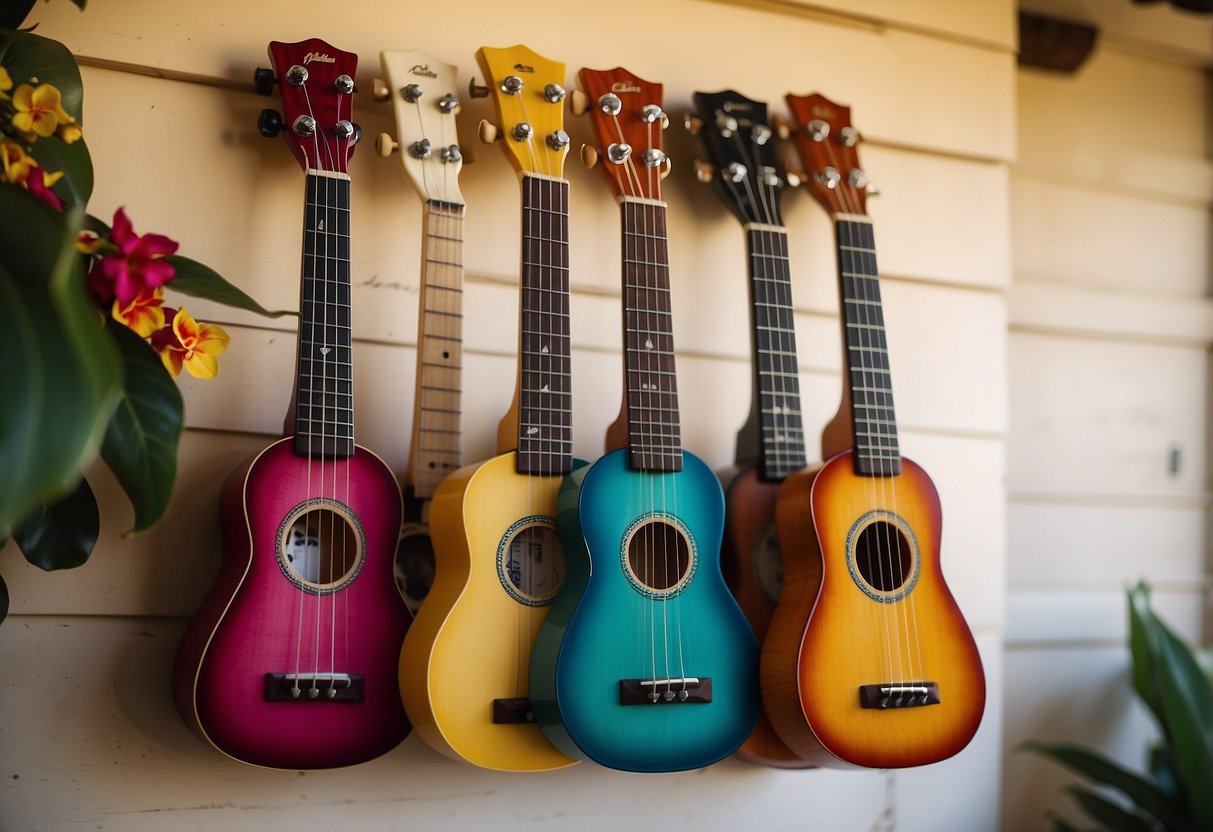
point(751, 562)
point(866, 627)
point(261, 618)
point(470, 645)
point(608, 626)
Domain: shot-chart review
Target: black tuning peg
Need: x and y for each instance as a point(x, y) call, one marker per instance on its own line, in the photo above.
point(357, 132)
point(269, 123)
point(263, 80)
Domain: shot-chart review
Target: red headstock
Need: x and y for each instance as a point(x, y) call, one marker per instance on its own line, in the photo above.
point(317, 85)
point(628, 121)
point(827, 144)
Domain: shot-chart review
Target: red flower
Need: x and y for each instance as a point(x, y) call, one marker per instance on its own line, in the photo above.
point(137, 265)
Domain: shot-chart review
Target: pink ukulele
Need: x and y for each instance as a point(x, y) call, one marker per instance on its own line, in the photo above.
point(291, 661)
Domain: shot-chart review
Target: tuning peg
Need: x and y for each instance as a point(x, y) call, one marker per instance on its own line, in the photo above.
point(269, 122)
point(872, 190)
point(476, 90)
point(692, 123)
point(385, 145)
point(666, 167)
point(488, 132)
point(794, 178)
point(379, 90)
point(263, 80)
point(783, 127)
point(589, 156)
point(704, 172)
point(579, 103)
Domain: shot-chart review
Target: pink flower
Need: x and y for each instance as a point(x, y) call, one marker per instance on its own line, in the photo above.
point(38, 184)
point(137, 265)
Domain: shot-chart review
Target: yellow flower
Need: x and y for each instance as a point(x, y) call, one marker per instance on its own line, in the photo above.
point(70, 133)
point(17, 162)
point(143, 314)
point(6, 84)
point(88, 242)
point(39, 110)
point(195, 345)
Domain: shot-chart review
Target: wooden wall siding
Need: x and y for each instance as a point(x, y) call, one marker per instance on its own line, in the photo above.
point(88, 736)
point(1110, 327)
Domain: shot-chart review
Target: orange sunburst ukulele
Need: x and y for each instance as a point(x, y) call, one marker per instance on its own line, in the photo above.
point(868, 660)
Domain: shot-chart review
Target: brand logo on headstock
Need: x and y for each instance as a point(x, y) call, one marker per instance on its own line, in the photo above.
point(423, 70)
point(524, 68)
point(624, 86)
point(319, 57)
point(823, 111)
point(737, 106)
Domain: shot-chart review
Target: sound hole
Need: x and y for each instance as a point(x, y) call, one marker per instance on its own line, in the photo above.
point(659, 556)
point(768, 566)
point(530, 562)
point(320, 548)
point(414, 568)
point(883, 556)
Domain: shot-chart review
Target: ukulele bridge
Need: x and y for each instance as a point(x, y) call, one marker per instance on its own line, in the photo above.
point(908, 695)
point(313, 687)
point(688, 690)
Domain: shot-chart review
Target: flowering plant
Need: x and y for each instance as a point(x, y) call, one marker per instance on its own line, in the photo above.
point(90, 349)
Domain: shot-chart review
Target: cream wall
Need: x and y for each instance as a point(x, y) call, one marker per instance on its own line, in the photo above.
point(88, 735)
point(1110, 326)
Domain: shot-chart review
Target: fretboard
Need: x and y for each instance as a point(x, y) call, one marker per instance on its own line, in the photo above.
point(324, 408)
point(545, 433)
point(436, 418)
point(654, 440)
point(776, 372)
point(873, 423)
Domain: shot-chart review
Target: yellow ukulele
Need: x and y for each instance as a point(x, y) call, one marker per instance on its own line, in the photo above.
point(868, 660)
point(498, 561)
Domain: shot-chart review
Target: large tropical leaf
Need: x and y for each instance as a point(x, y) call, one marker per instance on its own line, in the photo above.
point(1188, 704)
point(61, 535)
point(1102, 771)
point(61, 374)
point(1114, 817)
point(1143, 647)
point(27, 56)
point(141, 441)
point(14, 12)
point(201, 281)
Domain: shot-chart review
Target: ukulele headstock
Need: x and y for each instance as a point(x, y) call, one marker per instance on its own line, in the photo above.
point(317, 86)
point(528, 94)
point(740, 145)
point(424, 96)
point(827, 144)
point(628, 121)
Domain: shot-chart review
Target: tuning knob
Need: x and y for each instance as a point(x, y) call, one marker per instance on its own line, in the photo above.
point(704, 172)
point(589, 156)
point(385, 145)
point(269, 122)
point(692, 123)
point(783, 128)
point(263, 80)
point(579, 103)
point(794, 178)
point(666, 167)
point(379, 90)
point(488, 132)
point(476, 90)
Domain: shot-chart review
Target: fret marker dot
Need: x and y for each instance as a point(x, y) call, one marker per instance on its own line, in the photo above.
point(544, 349)
point(545, 389)
point(320, 225)
point(648, 343)
point(324, 350)
point(532, 431)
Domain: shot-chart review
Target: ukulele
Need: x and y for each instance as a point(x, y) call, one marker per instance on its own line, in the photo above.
point(290, 661)
point(645, 662)
point(868, 660)
point(422, 92)
point(749, 179)
point(499, 562)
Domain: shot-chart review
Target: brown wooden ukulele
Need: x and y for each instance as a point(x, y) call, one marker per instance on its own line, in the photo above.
point(868, 660)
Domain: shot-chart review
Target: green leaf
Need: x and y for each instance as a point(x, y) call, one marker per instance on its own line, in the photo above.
point(80, 3)
point(1143, 647)
point(140, 444)
point(201, 281)
point(61, 535)
point(3, 600)
point(1146, 795)
point(1188, 705)
point(13, 12)
point(61, 374)
point(1162, 769)
point(1114, 817)
point(28, 56)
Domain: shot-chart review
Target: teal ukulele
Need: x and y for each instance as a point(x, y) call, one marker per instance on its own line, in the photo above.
point(645, 662)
